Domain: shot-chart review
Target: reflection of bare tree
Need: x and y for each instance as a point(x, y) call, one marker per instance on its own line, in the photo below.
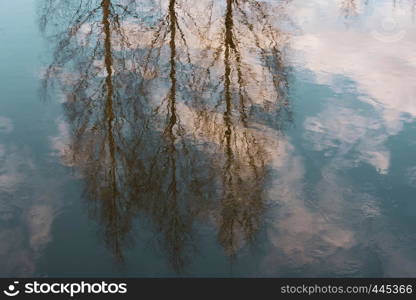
point(349, 8)
point(244, 160)
point(93, 109)
point(169, 110)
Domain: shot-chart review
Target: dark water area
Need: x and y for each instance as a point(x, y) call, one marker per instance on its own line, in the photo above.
point(215, 138)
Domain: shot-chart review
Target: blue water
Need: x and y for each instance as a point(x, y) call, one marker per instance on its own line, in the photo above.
point(221, 139)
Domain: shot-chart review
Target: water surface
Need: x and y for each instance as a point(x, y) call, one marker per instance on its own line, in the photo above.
point(213, 138)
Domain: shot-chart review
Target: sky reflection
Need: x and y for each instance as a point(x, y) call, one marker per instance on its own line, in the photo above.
point(230, 138)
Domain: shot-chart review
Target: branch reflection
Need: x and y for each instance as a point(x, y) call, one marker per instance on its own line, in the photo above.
point(175, 108)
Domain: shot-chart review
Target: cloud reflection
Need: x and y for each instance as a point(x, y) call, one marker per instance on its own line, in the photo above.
point(332, 226)
point(27, 211)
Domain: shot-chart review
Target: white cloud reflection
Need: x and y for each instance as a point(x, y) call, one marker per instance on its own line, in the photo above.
point(342, 130)
point(328, 227)
point(383, 72)
point(27, 209)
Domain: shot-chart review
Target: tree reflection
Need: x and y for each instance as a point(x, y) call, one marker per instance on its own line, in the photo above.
point(349, 8)
point(174, 107)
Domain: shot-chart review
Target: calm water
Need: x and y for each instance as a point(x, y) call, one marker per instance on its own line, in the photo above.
point(208, 138)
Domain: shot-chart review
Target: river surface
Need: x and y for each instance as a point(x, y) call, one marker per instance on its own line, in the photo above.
point(220, 138)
